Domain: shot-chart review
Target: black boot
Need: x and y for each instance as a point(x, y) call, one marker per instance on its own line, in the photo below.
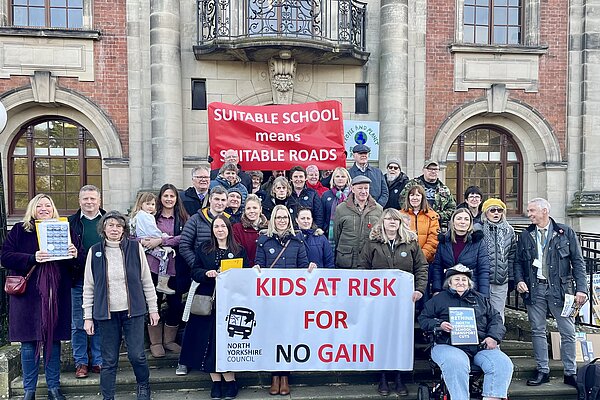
point(383, 387)
point(230, 391)
point(29, 395)
point(55, 394)
point(216, 391)
point(143, 391)
point(400, 387)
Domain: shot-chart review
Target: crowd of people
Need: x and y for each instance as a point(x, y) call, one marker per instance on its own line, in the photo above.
point(125, 275)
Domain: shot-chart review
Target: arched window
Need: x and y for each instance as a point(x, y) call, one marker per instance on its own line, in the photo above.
point(488, 157)
point(54, 156)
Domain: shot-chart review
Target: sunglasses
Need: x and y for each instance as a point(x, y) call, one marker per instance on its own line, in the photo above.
point(393, 167)
point(496, 210)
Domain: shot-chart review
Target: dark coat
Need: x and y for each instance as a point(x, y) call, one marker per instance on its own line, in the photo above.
point(294, 256)
point(327, 201)
point(76, 228)
point(308, 198)
point(198, 348)
point(489, 321)
point(564, 259)
point(191, 201)
point(474, 256)
point(406, 257)
point(318, 248)
point(269, 204)
point(502, 257)
point(395, 188)
point(24, 315)
point(197, 229)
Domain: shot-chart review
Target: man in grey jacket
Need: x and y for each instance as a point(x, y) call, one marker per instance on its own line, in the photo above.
point(378, 187)
point(549, 264)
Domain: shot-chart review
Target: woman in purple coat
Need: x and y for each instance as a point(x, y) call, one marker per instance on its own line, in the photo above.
point(41, 317)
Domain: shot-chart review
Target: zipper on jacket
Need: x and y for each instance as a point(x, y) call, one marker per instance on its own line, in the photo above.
point(126, 282)
point(107, 285)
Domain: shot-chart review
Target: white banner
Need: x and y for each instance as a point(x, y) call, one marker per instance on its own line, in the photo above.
point(330, 319)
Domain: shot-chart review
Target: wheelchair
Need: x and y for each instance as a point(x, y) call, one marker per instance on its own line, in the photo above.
point(436, 388)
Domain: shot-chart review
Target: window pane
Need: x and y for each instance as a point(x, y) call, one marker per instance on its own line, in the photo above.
point(60, 199)
point(469, 15)
point(72, 167)
point(514, 2)
point(95, 180)
point(514, 35)
point(57, 183)
point(36, 3)
point(20, 166)
point(469, 2)
point(73, 184)
point(19, 16)
point(20, 2)
point(469, 34)
point(42, 183)
point(21, 200)
point(511, 156)
point(500, 2)
point(37, 17)
point(20, 151)
point(94, 167)
point(481, 35)
point(513, 16)
point(42, 166)
point(76, 18)
point(500, 35)
point(21, 183)
point(58, 18)
point(482, 2)
point(482, 16)
point(73, 200)
point(57, 167)
point(58, 3)
point(500, 16)
point(57, 152)
point(76, 3)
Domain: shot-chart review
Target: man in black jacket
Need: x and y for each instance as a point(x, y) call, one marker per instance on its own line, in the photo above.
point(196, 196)
point(84, 224)
point(549, 265)
point(396, 180)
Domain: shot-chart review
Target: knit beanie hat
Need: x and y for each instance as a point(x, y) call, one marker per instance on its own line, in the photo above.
point(493, 202)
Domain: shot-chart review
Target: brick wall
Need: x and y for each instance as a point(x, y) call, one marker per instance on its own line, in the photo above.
point(551, 99)
point(109, 90)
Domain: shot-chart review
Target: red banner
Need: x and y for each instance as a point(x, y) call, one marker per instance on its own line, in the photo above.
point(278, 137)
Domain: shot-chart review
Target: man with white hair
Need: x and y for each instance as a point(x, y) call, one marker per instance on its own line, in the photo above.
point(549, 264)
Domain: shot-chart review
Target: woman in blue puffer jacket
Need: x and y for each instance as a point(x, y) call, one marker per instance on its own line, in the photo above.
point(462, 245)
point(280, 247)
point(318, 248)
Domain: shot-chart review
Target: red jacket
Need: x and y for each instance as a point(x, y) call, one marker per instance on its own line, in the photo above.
point(246, 235)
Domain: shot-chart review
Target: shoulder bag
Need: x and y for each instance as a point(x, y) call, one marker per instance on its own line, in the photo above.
point(16, 285)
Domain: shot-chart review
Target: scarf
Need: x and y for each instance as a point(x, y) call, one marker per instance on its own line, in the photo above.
point(503, 231)
point(340, 197)
point(47, 286)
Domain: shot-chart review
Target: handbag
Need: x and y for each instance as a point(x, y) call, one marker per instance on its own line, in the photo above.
point(16, 284)
point(202, 304)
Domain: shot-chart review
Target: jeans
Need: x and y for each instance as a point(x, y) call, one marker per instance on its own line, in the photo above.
point(79, 337)
point(498, 295)
point(456, 365)
point(113, 330)
point(566, 327)
point(31, 366)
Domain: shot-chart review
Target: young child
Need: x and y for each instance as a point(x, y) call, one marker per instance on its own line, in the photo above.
point(143, 225)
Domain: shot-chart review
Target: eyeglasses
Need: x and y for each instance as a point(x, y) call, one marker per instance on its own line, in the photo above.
point(474, 197)
point(496, 210)
point(201, 178)
point(393, 167)
point(433, 169)
point(282, 218)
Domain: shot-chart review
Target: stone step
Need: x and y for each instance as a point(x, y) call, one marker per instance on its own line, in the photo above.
point(164, 378)
point(554, 390)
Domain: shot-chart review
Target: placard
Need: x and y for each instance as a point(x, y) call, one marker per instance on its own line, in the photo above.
point(328, 319)
point(464, 326)
point(54, 237)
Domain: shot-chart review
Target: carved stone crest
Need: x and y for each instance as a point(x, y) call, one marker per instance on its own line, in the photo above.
point(282, 72)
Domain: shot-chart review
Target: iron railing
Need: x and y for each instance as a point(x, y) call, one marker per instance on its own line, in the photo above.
point(590, 248)
point(340, 22)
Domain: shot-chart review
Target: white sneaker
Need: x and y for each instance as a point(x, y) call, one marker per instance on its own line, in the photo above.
point(181, 370)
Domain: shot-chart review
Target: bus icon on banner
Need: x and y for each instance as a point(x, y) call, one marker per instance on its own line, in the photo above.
point(240, 322)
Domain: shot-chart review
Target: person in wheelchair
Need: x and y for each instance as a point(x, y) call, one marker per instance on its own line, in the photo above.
point(455, 360)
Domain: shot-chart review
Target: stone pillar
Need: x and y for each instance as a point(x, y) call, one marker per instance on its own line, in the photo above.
point(393, 81)
point(584, 111)
point(166, 104)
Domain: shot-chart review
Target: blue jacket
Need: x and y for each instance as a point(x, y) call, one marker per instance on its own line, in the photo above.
point(318, 248)
point(378, 188)
point(268, 248)
point(474, 256)
point(308, 198)
point(564, 259)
